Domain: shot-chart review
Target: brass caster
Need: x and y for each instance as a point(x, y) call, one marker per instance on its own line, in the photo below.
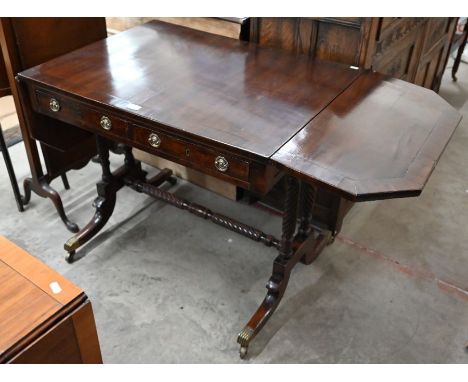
point(70, 257)
point(243, 352)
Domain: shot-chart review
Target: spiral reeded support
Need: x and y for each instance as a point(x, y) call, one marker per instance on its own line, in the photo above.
point(203, 212)
point(282, 267)
point(293, 246)
point(306, 204)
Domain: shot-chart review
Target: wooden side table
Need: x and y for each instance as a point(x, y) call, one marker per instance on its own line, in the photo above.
point(44, 318)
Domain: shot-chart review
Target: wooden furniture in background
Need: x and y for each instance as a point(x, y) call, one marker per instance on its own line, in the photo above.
point(459, 41)
point(4, 85)
point(11, 172)
point(248, 115)
point(4, 91)
point(414, 49)
point(26, 42)
point(44, 318)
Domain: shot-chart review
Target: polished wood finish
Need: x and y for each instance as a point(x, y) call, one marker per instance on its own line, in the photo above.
point(380, 139)
point(414, 49)
point(230, 85)
point(4, 85)
point(26, 42)
point(353, 133)
point(40, 324)
point(345, 140)
point(234, 27)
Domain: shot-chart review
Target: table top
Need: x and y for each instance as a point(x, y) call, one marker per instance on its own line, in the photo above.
point(215, 87)
point(361, 134)
point(380, 139)
point(31, 296)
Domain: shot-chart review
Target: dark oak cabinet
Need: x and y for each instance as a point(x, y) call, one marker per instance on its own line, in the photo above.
point(414, 49)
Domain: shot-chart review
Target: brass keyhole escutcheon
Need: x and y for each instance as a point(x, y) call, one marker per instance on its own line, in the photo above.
point(154, 140)
point(221, 163)
point(106, 123)
point(54, 105)
point(187, 152)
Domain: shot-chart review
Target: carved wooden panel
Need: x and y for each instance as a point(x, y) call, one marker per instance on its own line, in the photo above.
point(333, 39)
point(435, 52)
point(401, 61)
point(339, 41)
point(403, 47)
point(394, 33)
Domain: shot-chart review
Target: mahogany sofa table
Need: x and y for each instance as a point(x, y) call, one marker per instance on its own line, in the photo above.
point(248, 115)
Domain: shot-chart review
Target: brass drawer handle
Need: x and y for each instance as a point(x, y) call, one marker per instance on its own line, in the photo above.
point(54, 105)
point(154, 140)
point(221, 163)
point(106, 123)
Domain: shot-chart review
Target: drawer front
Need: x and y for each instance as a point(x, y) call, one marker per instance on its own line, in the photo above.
point(75, 113)
point(103, 122)
point(58, 107)
point(192, 155)
point(208, 160)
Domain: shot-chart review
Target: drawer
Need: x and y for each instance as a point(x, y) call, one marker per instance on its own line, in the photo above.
point(103, 122)
point(75, 113)
point(192, 155)
point(58, 107)
point(208, 160)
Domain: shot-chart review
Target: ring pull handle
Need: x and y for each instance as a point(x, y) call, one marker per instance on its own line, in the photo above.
point(154, 140)
point(106, 123)
point(54, 105)
point(221, 163)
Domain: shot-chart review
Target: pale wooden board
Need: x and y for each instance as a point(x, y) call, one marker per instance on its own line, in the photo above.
point(208, 182)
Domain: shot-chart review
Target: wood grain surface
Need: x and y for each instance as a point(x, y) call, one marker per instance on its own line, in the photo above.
point(359, 134)
point(214, 87)
point(380, 139)
point(27, 299)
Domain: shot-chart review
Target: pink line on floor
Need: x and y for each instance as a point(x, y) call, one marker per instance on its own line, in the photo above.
point(445, 286)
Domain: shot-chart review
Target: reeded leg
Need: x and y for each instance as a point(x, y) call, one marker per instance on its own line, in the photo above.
point(306, 205)
point(309, 241)
point(104, 204)
point(107, 194)
point(282, 267)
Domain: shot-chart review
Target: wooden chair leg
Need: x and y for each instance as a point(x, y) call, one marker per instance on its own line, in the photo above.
point(65, 181)
point(11, 172)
